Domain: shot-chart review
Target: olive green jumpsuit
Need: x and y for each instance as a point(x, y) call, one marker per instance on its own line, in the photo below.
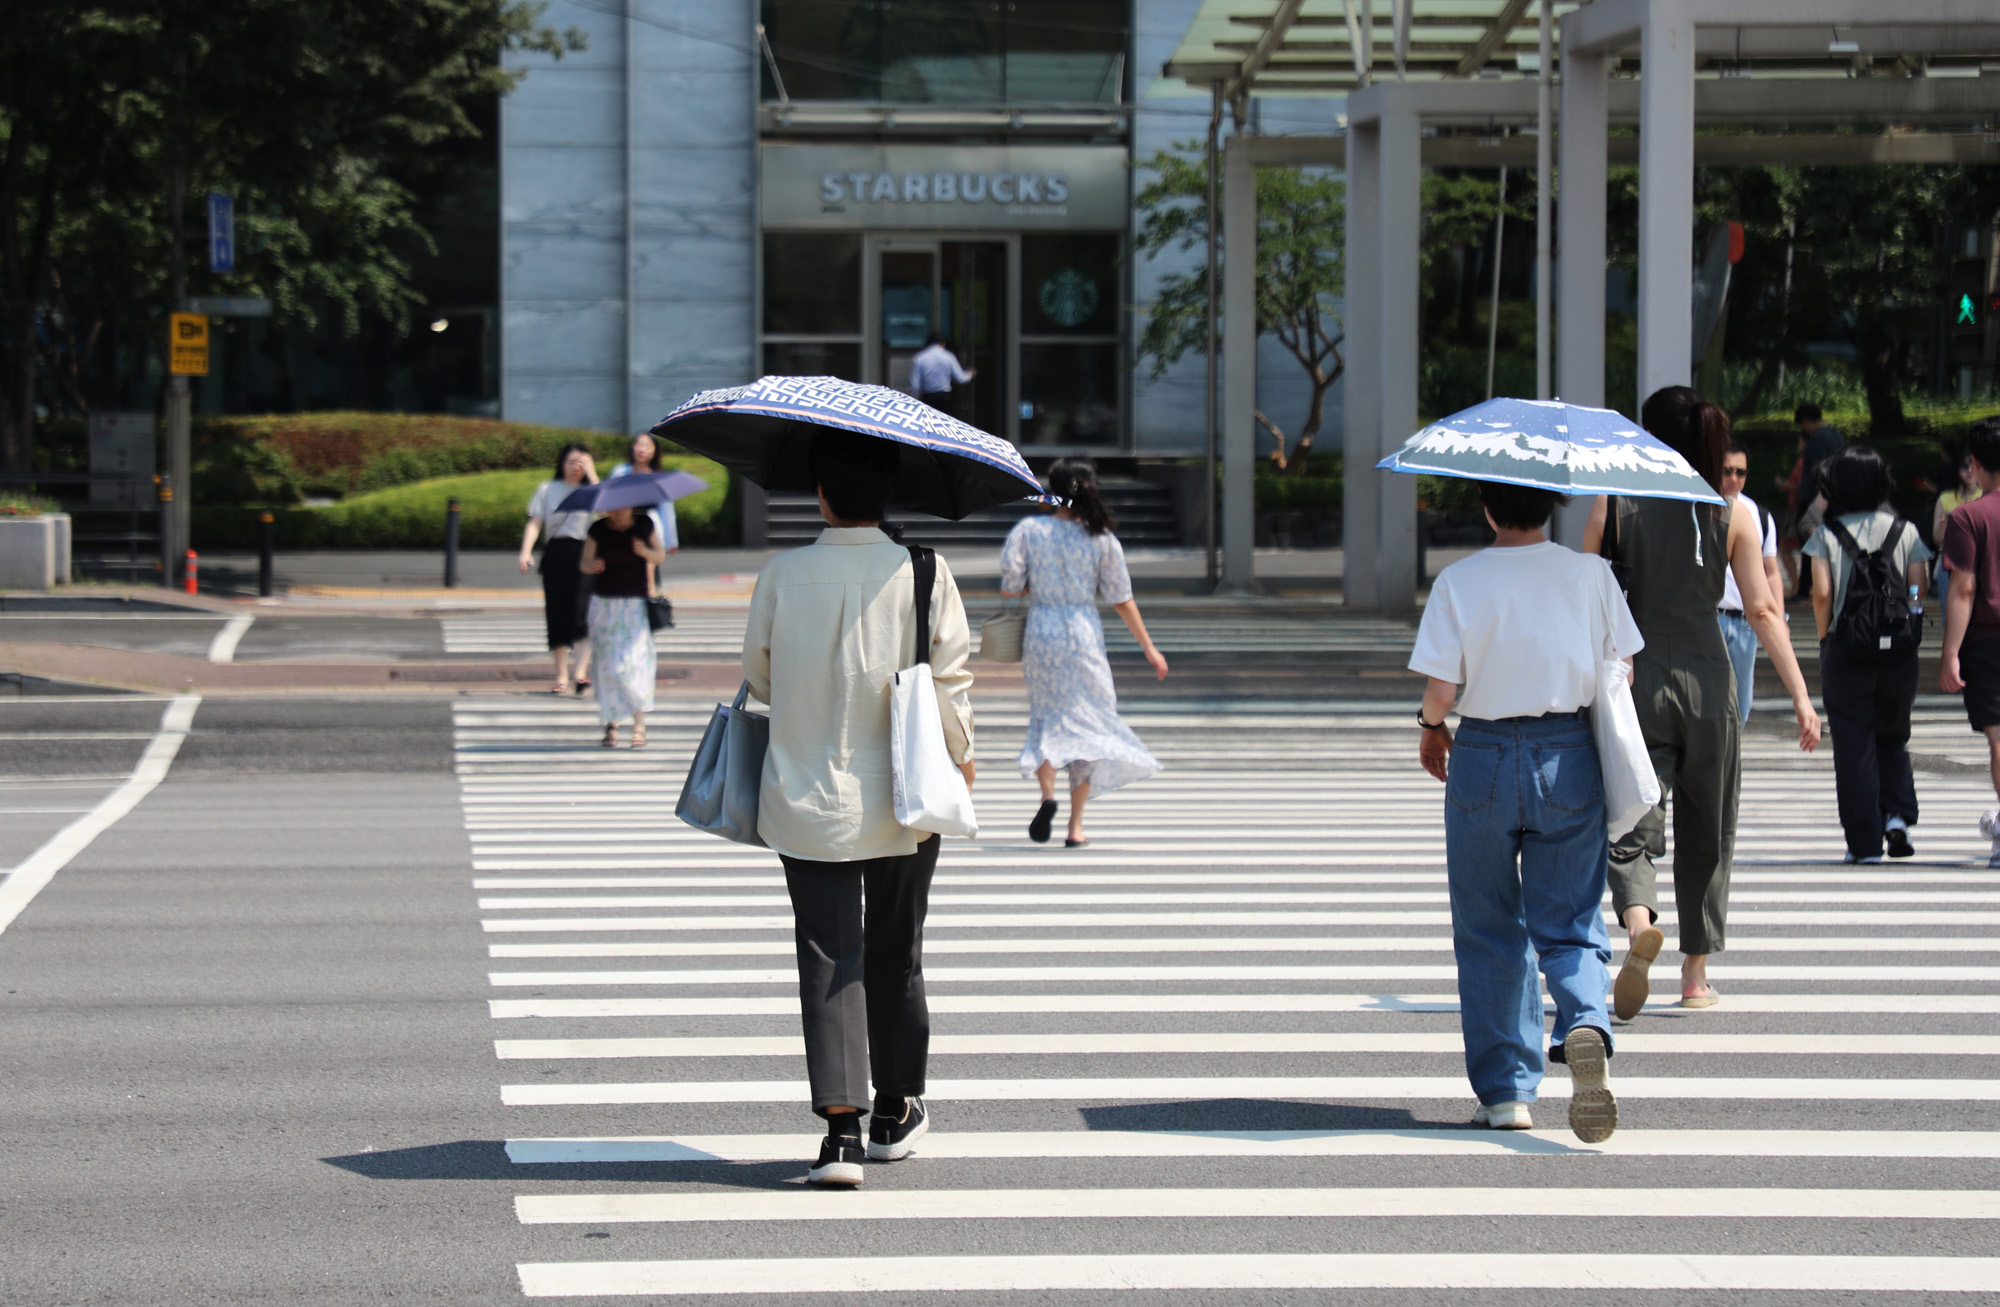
point(1676, 555)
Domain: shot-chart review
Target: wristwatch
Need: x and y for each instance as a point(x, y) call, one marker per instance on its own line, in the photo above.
point(1429, 726)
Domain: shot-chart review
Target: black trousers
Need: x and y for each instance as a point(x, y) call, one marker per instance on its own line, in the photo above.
point(861, 975)
point(565, 593)
point(1868, 714)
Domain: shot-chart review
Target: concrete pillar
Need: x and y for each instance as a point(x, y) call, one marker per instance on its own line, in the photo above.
point(1666, 198)
point(1400, 201)
point(1580, 286)
point(1360, 509)
point(1239, 367)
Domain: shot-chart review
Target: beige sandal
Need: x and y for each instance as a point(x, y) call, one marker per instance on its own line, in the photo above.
point(638, 737)
point(1710, 999)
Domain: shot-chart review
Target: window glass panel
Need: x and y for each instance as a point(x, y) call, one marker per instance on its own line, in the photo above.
point(825, 49)
point(1069, 394)
point(812, 282)
point(941, 51)
point(1069, 284)
point(813, 358)
point(1065, 51)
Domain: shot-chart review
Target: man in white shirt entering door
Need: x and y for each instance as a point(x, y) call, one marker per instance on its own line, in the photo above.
point(829, 626)
point(934, 371)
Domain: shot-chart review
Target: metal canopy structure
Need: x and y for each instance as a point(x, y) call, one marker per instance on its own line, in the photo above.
point(1838, 85)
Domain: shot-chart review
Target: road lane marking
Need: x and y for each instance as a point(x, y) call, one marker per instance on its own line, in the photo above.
point(1194, 944)
point(32, 876)
point(1088, 1088)
point(1649, 1272)
point(1415, 1142)
point(1109, 1043)
point(222, 649)
point(551, 902)
point(1011, 920)
point(1219, 1204)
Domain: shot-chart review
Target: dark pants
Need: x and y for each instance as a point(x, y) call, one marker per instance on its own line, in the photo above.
point(861, 977)
point(941, 400)
point(565, 593)
point(1868, 715)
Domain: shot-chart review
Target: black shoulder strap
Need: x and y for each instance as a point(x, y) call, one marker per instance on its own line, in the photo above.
point(923, 563)
point(1847, 541)
point(1607, 544)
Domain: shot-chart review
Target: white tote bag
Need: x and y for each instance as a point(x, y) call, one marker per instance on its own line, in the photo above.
point(929, 790)
point(1631, 787)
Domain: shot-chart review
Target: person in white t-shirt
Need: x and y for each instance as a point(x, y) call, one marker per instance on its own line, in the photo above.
point(1522, 626)
point(1738, 636)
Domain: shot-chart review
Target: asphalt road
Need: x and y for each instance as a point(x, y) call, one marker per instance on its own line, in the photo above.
point(247, 1053)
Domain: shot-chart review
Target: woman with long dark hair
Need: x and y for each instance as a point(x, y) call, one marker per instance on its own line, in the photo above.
point(1869, 689)
point(1063, 564)
point(645, 457)
point(565, 588)
point(1674, 557)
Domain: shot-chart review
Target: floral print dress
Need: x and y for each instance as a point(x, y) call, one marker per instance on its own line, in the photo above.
point(1072, 707)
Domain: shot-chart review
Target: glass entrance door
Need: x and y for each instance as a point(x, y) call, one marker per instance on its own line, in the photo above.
point(957, 289)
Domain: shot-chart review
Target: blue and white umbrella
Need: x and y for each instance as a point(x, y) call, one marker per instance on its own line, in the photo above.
point(633, 490)
point(1552, 446)
point(764, 431)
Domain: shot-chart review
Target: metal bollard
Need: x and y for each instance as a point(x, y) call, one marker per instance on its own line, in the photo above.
point(188, 580)
point(165, 490)
point(265, 547)
point(450, 544)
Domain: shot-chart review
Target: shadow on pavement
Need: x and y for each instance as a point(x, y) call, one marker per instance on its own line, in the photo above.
point(486, 1159)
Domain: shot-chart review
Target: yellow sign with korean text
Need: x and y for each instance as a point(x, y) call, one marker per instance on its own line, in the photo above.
point(188, 333)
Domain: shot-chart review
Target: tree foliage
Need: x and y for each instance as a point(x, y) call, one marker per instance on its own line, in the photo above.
point(1301, 227)
point(315, 114)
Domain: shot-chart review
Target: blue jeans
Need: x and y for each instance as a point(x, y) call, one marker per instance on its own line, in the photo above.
point(1741, 641)
point(1525, 851)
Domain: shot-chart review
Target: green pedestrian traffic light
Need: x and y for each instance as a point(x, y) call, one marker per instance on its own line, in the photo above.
point(1968, 313)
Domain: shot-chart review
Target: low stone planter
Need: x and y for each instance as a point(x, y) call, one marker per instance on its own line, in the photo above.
point(34, 552)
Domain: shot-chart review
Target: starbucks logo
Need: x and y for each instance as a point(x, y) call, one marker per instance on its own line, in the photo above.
point(1068, 297)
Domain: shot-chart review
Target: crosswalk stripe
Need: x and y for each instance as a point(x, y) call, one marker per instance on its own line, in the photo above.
point(1215, 1204)
point(951, 898)
point(1197, 944)
point(1087, 1088)
point(1124, 974)
point(991, 920)
point(1972, 1145)
point(1112, 1043)
point(1051, 1273)
point(1905, 1004)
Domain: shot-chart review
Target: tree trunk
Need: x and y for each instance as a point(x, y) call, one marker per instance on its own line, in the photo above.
point(1880, 379)
point(17, 393)
point(1303, 450)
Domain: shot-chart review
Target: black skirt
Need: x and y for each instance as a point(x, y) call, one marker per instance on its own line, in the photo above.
point(565, 593)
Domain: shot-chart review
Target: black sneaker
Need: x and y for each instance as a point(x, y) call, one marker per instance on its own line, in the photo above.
point(891, 1139)
point(1045, 816)
point(1898, 839)
point(839, 1164)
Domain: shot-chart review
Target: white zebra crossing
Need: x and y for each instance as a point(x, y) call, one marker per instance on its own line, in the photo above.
point(1271, 838)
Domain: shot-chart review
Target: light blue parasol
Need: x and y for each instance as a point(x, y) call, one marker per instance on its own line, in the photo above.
point(1552, 446)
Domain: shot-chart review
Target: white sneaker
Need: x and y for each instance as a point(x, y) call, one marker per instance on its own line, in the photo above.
point(1989, 826)
point(1503, 1116)
point(1851, 860)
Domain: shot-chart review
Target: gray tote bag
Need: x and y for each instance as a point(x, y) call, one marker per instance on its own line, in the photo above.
point(720, 795)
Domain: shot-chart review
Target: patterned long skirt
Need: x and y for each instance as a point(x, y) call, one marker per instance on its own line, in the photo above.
point(1073, 717)
point(623, 666)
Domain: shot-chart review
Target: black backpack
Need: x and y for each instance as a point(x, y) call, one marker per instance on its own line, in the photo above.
point(1876, 622)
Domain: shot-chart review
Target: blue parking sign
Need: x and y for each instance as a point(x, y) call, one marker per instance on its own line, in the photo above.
point(221, 232)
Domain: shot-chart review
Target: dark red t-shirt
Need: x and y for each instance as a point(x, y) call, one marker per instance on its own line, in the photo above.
point(1972, 544)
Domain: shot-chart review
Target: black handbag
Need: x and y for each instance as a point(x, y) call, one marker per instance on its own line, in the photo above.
point(659, 612)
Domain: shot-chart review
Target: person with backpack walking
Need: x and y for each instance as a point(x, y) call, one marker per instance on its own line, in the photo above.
point(1673, 557)
point(1971, 662)
point(1867, 591)
point(1737, 634)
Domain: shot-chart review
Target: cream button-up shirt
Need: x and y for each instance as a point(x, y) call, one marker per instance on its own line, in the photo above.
point(829, 625)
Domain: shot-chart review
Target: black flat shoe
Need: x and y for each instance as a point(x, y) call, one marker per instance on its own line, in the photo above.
point(1898, 840)
point(582, 686)
point(1074, 844)
point(1045, 816)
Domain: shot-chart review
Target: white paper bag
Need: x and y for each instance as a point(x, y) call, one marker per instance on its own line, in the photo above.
point(1631, 786)
point(929, 788)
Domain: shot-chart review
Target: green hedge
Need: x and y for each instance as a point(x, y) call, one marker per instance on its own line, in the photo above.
point(492, 512)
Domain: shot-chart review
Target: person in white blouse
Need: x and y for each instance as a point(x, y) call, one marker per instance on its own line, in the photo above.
point(830, 624)
point(565, 589)
point(1522, 626)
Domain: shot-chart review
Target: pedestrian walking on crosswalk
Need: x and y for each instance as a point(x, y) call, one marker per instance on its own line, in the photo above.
point(1064, 564)
point(619, 551)
point(1868, 572)
point(830, 625)
point(1971, 664)
point(1522, 626)
point(565, 587)
point(1674, 557)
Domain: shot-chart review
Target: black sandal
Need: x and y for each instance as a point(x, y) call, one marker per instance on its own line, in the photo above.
point(582, 685)
point(1045, 816)
point(1074, 844)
